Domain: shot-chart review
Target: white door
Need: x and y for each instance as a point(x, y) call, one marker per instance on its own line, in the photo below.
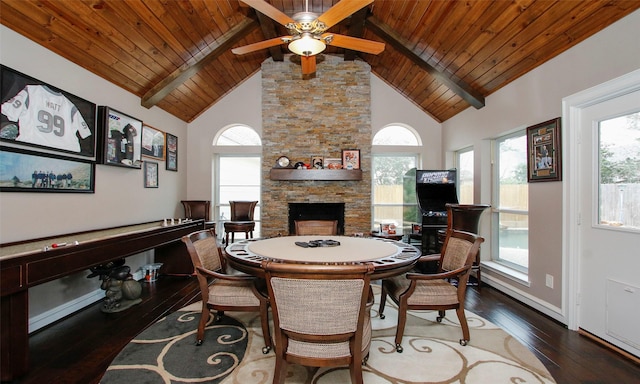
point(608, 230)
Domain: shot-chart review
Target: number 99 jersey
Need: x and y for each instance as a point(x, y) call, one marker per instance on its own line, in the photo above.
point(46, 118)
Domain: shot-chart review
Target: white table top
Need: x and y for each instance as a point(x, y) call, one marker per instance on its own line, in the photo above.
point(351, 249)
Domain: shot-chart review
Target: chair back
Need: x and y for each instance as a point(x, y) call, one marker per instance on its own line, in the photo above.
point(204, 250)
point(459, 250)
point(319, 312)
point(242, 210)
point(316, 227)
point(465, 217)
point(196, 209)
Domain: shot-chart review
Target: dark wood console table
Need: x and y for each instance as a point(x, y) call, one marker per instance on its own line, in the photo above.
point(27, 264)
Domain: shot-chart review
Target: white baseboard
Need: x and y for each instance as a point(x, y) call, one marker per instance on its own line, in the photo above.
point(534, 302)
point(57, 313)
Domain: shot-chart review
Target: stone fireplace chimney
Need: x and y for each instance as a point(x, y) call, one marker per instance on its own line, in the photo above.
point(316, 117)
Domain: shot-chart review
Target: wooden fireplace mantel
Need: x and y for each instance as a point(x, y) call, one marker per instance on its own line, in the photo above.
point(315, 174)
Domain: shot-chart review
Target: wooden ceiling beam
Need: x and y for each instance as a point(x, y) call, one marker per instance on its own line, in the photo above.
point(356, 29)
point(180, 75)
point(403, 46)
point(269, 31)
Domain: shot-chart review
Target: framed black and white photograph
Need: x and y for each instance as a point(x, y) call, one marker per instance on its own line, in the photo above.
point(153, 142)
point(38, 114)
point(544, 161)
point(150, 174)
point(29, 171)
point(120, 139)
point(172, 153)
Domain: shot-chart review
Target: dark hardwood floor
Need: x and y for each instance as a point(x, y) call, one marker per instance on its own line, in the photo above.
point(79, 349)
point(569, 357)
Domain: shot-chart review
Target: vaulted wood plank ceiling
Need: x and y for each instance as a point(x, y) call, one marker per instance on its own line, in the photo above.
point(444, 56)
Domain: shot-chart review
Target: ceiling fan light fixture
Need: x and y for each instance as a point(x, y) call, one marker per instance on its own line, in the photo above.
point(307, 45)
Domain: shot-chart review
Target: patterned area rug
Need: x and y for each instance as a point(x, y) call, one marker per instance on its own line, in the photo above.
point(232, 353)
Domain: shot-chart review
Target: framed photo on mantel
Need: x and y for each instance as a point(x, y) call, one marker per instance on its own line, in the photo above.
point(351, 159)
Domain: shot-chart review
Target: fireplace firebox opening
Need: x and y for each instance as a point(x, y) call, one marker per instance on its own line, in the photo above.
point(316, 211)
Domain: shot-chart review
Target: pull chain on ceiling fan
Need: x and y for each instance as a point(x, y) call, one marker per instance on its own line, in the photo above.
point(308, 37)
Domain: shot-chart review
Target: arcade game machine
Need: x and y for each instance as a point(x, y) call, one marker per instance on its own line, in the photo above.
point(434, 189)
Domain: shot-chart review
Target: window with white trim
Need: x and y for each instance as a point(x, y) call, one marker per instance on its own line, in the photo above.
point(464, 164)
point(511, 202)
point(395, 156)
point(237, 171)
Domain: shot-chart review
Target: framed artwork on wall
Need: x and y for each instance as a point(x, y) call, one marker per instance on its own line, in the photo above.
point(29, 171)
point(172, 153)
point(37, 114)
point(544, 162)
point(120, 139)
point(150, 174)
point(153, 142)
point(351, 158)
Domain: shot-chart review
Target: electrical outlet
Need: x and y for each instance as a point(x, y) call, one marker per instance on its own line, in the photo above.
point(549, 281)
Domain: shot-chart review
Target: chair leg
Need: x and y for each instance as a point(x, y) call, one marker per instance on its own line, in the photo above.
point(264, 320)
point(355, 369)
point(227, 238)
point(478, 277)
point(465, 327)
point(383, 301)
point(204, 318)
point(280, 371)
point(402, 320)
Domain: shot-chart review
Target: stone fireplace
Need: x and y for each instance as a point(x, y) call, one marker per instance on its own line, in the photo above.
point(316, 117)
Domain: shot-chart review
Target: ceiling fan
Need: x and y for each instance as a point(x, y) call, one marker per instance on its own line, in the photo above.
point(308, 32)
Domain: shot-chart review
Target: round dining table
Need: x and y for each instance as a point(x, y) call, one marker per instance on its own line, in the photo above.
point(389, 257)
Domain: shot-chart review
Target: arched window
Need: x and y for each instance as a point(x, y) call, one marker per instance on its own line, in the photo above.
point(237, 135)
point(395, 156)
point(236, 171)
point(396, 135)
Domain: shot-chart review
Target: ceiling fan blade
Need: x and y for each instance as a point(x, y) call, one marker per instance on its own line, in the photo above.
point(308, 65)
point(269, 10)
point(259, 45)
point(341, 11)
point(357, 44)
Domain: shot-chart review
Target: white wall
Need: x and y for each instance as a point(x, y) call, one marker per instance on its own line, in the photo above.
point(534, 98)
point(119, 199)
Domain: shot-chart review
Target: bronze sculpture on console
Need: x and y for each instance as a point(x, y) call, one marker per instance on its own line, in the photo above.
point(121, 290)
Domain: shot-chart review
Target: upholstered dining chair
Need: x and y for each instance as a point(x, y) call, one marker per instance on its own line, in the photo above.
point(198, 209)
point(316, 227)
point(321, 315)
point(222, 289)
point(241, 219)
point(441, 291)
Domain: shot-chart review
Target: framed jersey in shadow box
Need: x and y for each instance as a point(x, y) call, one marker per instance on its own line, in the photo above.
point(38, 114)
point(120, 140)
